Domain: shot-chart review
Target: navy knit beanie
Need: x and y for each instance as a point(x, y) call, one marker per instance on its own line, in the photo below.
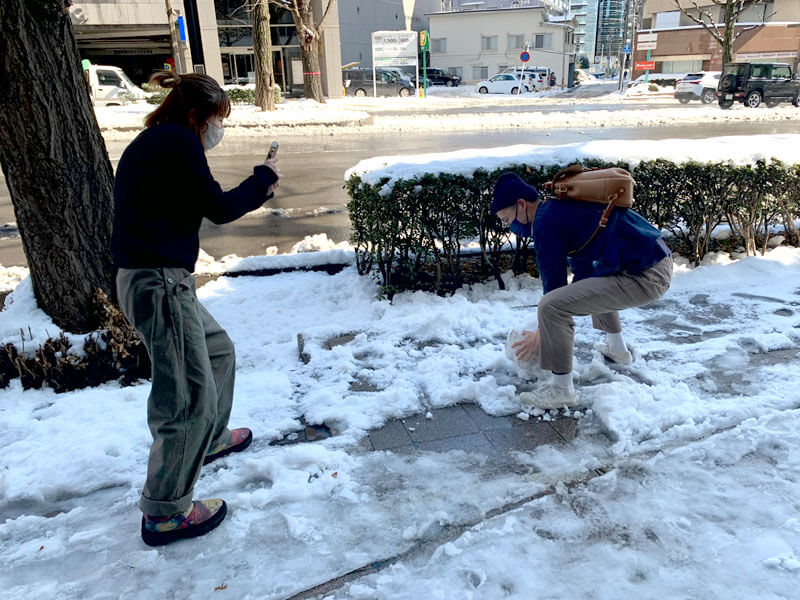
point(508, 189)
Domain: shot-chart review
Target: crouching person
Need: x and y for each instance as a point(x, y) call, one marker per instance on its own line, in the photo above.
point(163, 189)
point(626, 264)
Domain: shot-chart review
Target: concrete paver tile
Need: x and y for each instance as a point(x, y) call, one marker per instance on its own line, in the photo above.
point(524, 436)
point(391, 435)
point(487, 422)
point(473, 442)
point(446, 422)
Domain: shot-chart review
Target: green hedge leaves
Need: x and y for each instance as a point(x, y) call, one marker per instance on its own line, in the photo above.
point(412, 234)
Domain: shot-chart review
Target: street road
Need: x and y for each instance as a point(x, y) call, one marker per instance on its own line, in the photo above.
point(312, 195)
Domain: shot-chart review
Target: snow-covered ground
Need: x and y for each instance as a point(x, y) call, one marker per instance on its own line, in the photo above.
point(683, 480)
point(697, 442)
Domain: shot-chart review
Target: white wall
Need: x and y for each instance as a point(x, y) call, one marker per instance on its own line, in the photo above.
point(463, 32)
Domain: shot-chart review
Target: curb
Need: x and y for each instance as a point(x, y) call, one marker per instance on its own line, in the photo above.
point(299, 125)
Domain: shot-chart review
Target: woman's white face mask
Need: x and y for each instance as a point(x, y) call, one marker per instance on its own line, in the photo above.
point(213, 133)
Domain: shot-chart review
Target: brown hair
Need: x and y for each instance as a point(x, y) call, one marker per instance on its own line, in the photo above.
point(194, 99)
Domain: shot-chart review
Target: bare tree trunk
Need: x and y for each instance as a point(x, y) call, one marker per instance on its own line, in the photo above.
point(54, 160)
point(262, 50)
point(730, 33)
point(308, 35)
point(312, 80)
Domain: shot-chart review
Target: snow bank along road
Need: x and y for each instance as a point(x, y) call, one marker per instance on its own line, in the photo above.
point(461, 114)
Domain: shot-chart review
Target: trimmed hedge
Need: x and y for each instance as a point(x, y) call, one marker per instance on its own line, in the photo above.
point(235, 95)
point(411, 235)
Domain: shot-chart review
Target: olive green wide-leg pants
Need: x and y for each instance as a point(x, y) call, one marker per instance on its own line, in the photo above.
point(193, 370)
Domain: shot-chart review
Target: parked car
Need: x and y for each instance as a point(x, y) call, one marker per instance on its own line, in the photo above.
point(404, 77)
point(359, 82)
point(436, 77)
point(502, 83)
point(698, 86)
point(110, 86)
point(752, 83)
point(541, 75)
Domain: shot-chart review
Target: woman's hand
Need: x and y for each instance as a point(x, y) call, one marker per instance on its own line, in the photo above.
point(272, 165)
point(528, 346)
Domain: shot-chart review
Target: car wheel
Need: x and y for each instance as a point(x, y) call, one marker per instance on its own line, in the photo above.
point(360, 93)
point(683, 100)
point(449, 83)
point(796, 101)
point(753, 99)
point(514, 91)
point(708, 96)
point(483, 90)
point(404, 92)
point(725, 103)
point(728, 82)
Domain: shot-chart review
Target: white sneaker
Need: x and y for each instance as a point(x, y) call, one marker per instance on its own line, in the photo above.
point(621, 358)
point(547, 396)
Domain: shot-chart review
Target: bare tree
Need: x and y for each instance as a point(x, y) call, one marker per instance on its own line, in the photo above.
point(54, 160)
point(262, 52)
point(309, 35)
point(723, 30)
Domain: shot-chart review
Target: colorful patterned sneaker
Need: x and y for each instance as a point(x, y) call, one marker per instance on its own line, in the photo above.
point(547, 396)
point(202, 517)
point(239, 440)
point(621, 358)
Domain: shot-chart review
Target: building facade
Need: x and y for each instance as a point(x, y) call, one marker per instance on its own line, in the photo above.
point(768, 32)
point(585, 12)
point(204, 36)
point(476, 44)
point(358, 19)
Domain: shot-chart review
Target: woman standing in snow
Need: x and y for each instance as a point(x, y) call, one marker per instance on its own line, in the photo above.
point(163, 189)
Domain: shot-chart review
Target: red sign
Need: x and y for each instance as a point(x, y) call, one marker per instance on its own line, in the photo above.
point(525, 56)
point(645, 65)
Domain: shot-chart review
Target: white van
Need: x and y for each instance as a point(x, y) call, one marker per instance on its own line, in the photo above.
point(110, 86)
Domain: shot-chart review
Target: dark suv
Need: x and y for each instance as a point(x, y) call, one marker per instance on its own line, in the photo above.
point(436, 77)
point(750, 83)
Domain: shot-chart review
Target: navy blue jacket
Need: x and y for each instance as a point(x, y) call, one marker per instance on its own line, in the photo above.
point(628, 244)
point(162, 191)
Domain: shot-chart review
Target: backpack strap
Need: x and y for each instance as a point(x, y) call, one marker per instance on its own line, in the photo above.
point(603, 222)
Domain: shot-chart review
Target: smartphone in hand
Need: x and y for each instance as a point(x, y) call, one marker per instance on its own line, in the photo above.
point(273, 150)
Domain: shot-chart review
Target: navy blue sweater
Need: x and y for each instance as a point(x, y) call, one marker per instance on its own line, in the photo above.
point(162, 191)
point(628, 244)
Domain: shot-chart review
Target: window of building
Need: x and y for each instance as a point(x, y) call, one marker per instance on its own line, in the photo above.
point(681, 66)
point(667, 20)
point(516, 42)
point(480, 72)
point(439, 45)
point(543, 40)
point(488, 42)
point(457, 71)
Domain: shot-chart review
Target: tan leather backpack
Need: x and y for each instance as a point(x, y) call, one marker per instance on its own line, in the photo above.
point(612, 187)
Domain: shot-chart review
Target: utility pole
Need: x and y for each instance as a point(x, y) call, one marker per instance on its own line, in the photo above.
point(622, 47)
point(173, 38)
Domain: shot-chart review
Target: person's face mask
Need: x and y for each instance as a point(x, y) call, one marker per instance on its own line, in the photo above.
point(520, 229)
point(524, 230)
point(212, 135)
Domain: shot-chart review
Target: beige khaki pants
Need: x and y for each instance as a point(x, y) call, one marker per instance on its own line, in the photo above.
point(600, 297)
point(193, 377)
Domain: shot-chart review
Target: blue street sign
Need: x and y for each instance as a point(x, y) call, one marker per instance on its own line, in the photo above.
point(525, 56)
point(626, 49)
